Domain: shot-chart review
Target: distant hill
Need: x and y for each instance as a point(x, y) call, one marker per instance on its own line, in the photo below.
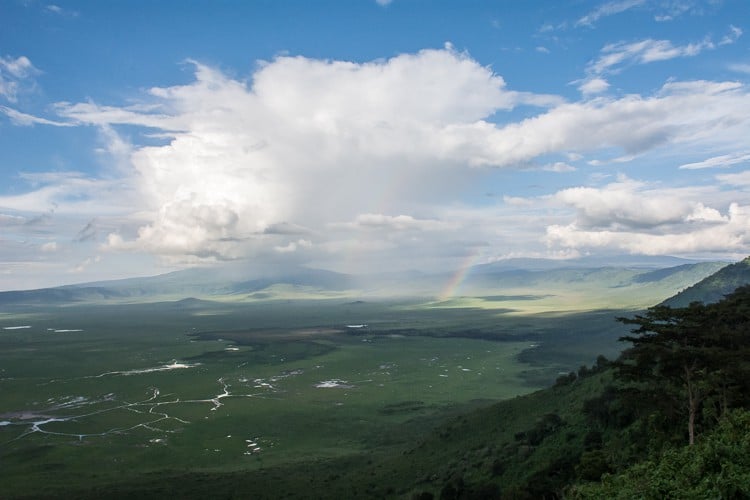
point(588, 262)
point(633, 282)
point(189, 283)
point(613, 286)
point(59, 295)
point(714, 287)
point(606, 276)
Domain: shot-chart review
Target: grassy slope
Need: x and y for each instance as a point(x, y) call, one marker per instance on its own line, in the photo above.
point(714, 287)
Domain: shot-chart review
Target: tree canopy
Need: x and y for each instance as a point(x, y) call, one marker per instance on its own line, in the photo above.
point(691, 361)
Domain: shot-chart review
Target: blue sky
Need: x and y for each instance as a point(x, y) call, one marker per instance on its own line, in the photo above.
point(141, 137)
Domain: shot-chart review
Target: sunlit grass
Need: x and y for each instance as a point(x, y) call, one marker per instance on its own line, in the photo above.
point(570, 299)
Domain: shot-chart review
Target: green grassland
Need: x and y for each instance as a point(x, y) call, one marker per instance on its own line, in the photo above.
point(102, 394)
point(272, 390)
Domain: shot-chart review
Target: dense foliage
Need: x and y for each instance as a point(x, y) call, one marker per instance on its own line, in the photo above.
point(718, 466)
point(691, 361)
point(684, 381)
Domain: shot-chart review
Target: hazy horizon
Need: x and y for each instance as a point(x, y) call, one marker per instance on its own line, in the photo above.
point(368, 136)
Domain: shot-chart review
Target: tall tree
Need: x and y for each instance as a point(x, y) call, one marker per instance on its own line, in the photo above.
point(697, 352)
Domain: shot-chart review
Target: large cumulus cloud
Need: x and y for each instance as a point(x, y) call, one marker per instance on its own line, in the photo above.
point(333, 162)
point(304, 142)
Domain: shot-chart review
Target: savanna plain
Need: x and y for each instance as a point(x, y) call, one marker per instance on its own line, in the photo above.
point(291, 390)
point(99, 394)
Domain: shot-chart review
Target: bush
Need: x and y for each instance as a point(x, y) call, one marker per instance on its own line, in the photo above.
point(717, 466)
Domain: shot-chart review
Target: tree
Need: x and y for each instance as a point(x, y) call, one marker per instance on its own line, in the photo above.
point(717, 467)
point(670, 348)
point(689, 355)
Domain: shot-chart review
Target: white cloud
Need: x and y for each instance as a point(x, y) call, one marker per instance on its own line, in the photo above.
point(518, 201)
point(188, 226)
point(682, 112)
point(446, 87)
point(731, 235)
point(664, 10)
point(546, 28)
point(718, 161)
point(593, 86)
point(88, 113)
point(608, 9)
point(669, 10)
point(616, 55)
point(69, 193)
point(24, 119)
point(734, 34)
point(623, 204)
point(50, 246)
point(293, 246)
point(7, 220)
point(705, 214)
point(88, 262)
point(394, 223)
point(16, 75)
point(740, 68)
point(638, 218)
point(272, 166)
point(56, 9)
point(245, 159)
point(19, 67)
point(739, 179)
point(559, 167)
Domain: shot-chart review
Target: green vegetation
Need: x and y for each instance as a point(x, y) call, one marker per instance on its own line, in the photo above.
point(715, 286)
point(694, 357)
point(283, 398)
point(718, 466)
point(679, 410)
point(187, 387)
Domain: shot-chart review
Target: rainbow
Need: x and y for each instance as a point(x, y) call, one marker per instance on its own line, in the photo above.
point(449, 290)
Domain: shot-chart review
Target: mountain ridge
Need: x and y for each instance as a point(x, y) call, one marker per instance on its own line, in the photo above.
point(520, 274)
point(714, 287)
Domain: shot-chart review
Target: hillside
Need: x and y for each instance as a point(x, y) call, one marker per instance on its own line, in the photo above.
point(202, 283)
point(713, 288)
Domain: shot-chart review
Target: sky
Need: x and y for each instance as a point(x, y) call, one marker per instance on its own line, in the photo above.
point(366, 136)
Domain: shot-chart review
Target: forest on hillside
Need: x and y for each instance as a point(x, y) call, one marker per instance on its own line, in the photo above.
point(675, 420)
